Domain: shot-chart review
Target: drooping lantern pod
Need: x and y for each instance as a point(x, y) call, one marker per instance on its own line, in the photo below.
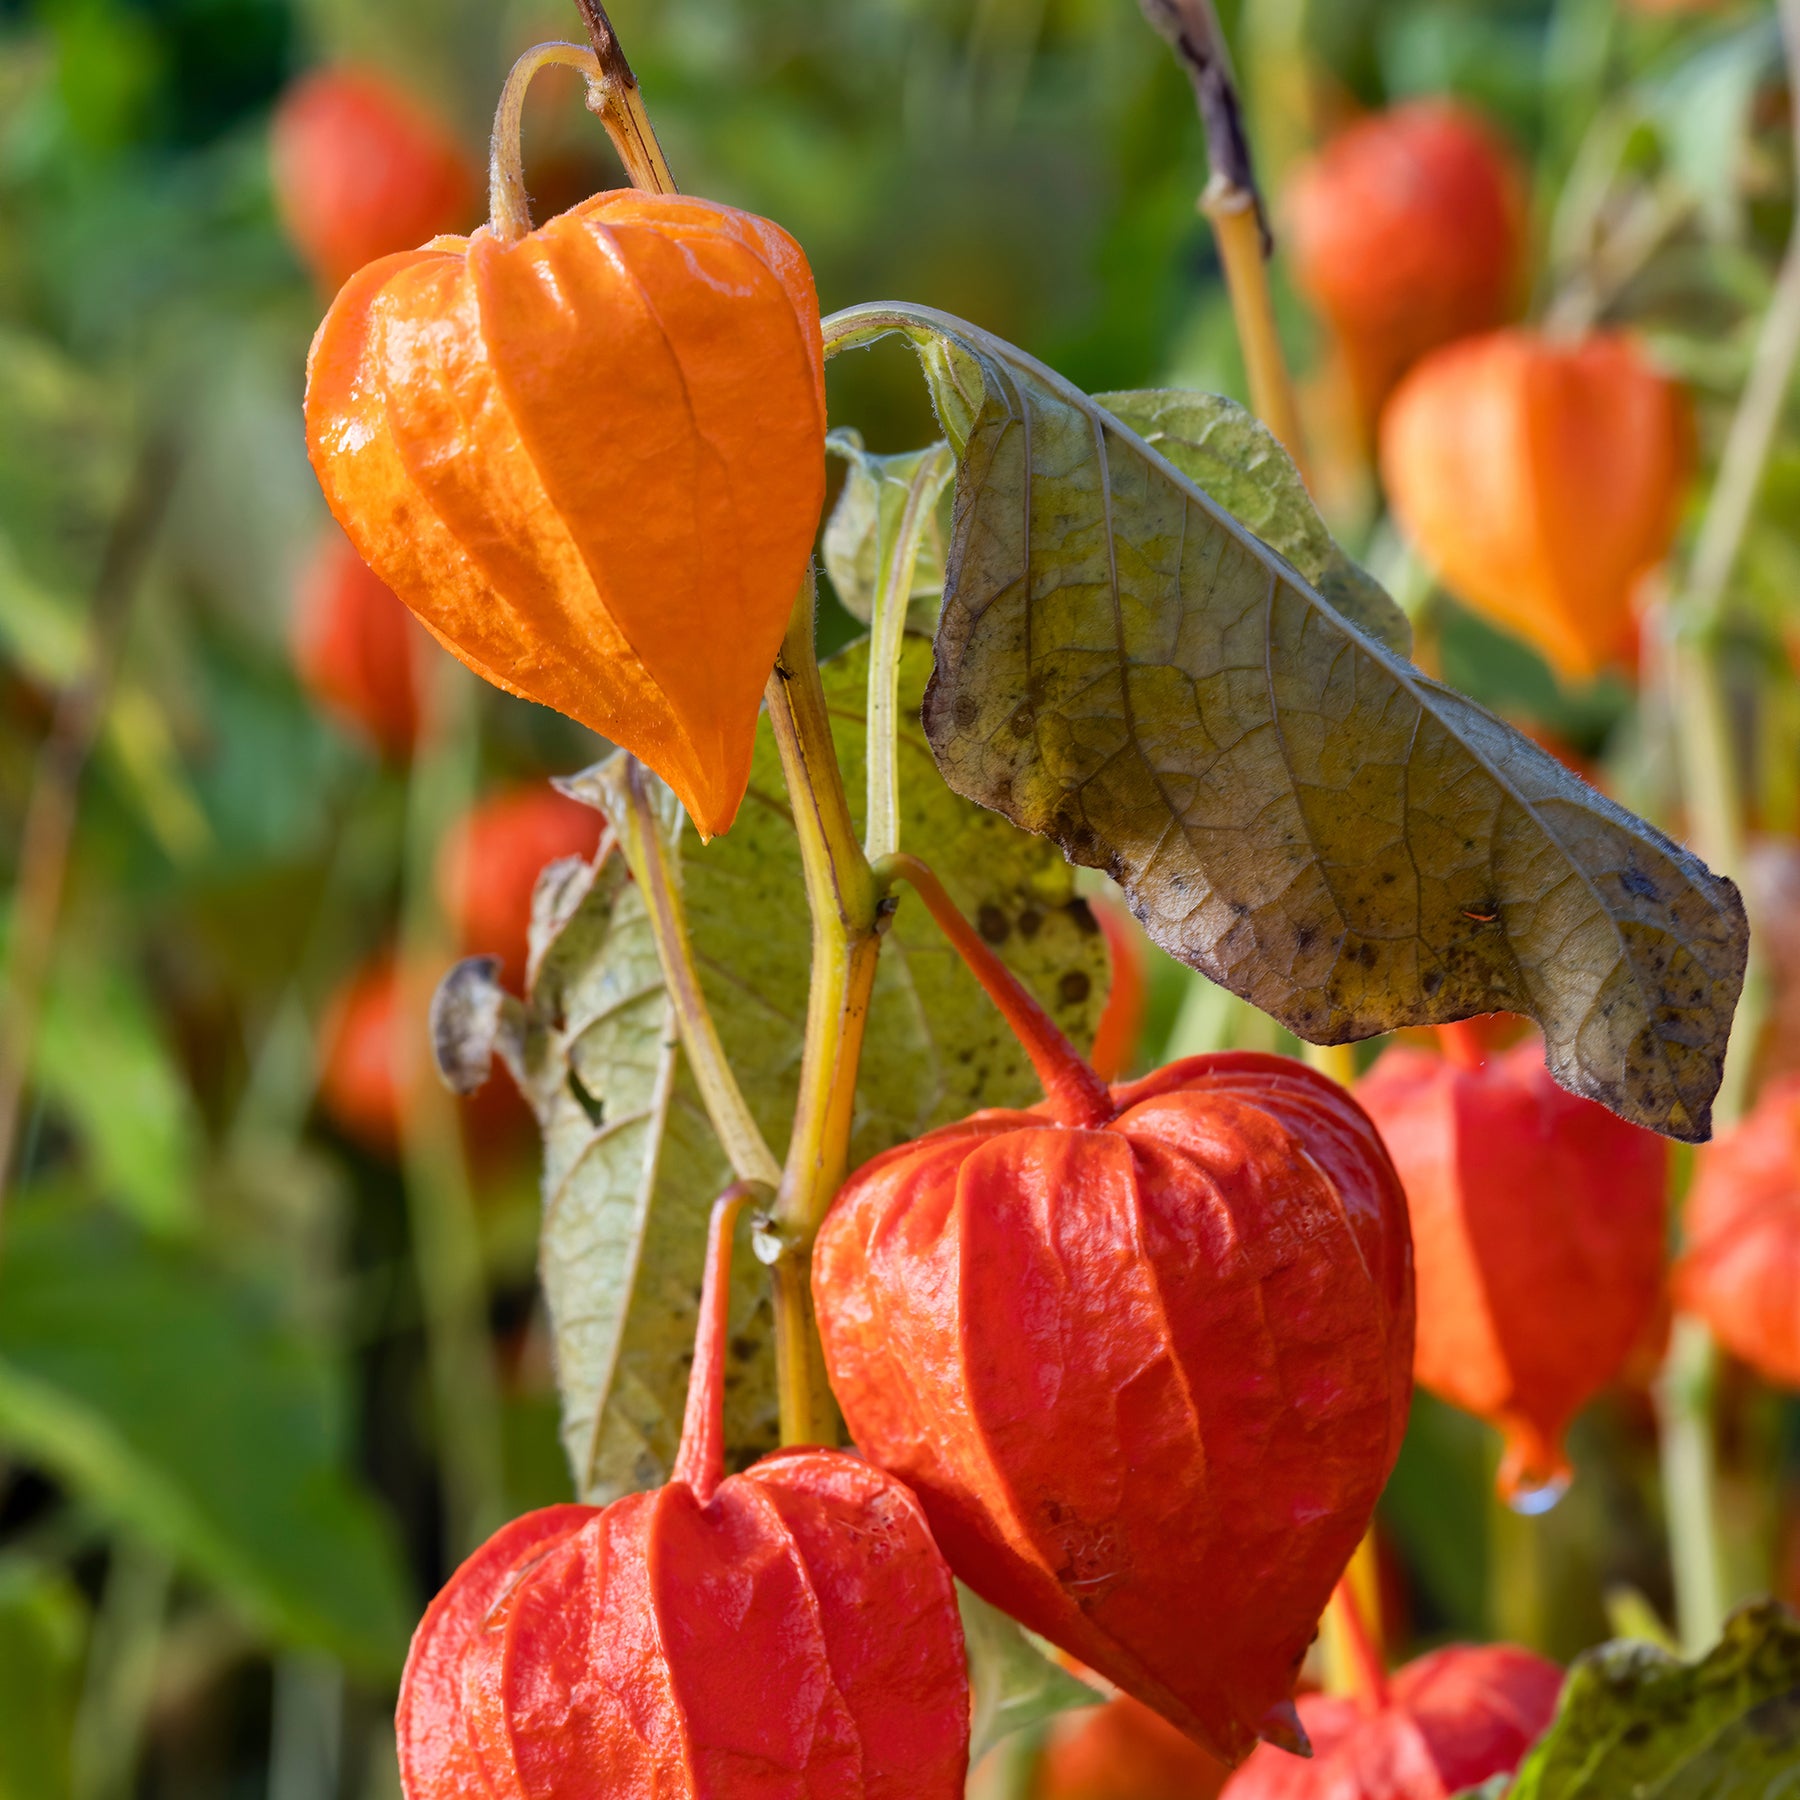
point(1123, 1751)
point(1740, 1271)
point(1408, 232)
point(362, 169)
point(356, 647)
point(789, 1630)
point(1538, 1223)
point(1440, 1725)
point(1541, 481)
point(1144, 1354)
point(490, 861)
point(589, 456)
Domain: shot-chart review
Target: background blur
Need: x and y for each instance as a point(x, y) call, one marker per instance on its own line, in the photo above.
point(237, 1204)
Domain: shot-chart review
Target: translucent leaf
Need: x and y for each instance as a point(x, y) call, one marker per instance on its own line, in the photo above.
point(1291, 807)
point(1015, 1684)
point(866, 520)
point(1227, 452)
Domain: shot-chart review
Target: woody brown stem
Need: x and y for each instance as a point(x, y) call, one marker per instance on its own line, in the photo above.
point(620, 106)
point(1075, 1092)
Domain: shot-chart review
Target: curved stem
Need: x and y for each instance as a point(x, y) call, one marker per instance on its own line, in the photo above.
point(897, 560)
point(700, 1461)
point(843, 897)
point(739, 1136)
point(509, 206)
point(1076, 1094)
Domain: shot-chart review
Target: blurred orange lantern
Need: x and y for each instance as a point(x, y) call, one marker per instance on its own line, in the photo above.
point(362, 169)
point(592, 461)
point(372, 1048)
point(1443, 1724)
point(357, 648)
point(1541, 481)
point(1538, 1232)
point(1124, 1751)
point(1741, 1269)
point(489, 865)
point(1408, 231)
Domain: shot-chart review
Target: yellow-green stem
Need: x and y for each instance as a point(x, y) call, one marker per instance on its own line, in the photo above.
point(635, 817)
point(844, 899)
point(1237, 227)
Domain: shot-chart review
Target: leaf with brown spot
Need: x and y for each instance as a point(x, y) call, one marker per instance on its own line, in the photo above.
point(1292, 808)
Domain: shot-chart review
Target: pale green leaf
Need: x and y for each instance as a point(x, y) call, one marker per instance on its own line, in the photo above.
point(866, 520)
point(1636, 1723)
point(632, 1166)
point(1015, 1684)
point(1229, 453)
point(1290, 807)
point(174, 1403)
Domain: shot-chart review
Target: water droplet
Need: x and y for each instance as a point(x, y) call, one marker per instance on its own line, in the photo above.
point(1533, 1498)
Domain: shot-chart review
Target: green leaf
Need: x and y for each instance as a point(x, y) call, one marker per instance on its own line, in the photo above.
point(173, 1403)
point(1227, 452)
point(1291, 808)
point(1635, 1723)
point(42, 1624)
point(1015, 1684)
point(866, 521)
point(631, 1163)
point(101, 1059)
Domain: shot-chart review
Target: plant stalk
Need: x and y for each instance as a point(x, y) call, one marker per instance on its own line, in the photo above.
point(743, 1143)
point(48, 836)
point(1713, 792)
point(844, 899)
point(619, 104)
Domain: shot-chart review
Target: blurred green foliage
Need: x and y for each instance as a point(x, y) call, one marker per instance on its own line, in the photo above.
point(217, 1452)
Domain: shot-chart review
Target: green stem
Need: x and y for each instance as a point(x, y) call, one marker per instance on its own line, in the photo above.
point(898, 559)
point(844, 899)
point(1713, 792)
point(634, 814)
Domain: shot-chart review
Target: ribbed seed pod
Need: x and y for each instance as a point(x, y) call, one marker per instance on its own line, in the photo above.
point(1446, 1722)
point(1538, 1224)
point(1143, 1354)
point(591, 459)
point(1741, 1270)
point(789, 1631)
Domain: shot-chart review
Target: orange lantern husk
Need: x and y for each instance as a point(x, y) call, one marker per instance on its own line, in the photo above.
point(1740, 1271)
point(1538, 1224)
point(591, 460)
point(1541, 481)
point(1144, 1354)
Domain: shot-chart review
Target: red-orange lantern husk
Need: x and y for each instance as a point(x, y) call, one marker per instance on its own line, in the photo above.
point(489, 865)
point(1124, 1751)
point(1539, 1223)
point(357, 648)
point(1741, 1269)
point(1144, 1354)
point(362, 169)
point(1447, 1722)
point(788, 1631)
point(592, 462)
point(1408, 231)
point(1541, 481)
